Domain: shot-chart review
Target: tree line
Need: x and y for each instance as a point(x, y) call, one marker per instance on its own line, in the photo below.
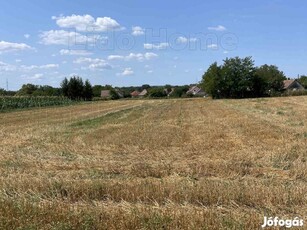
point(235, 78)
point(75, 88)
point(240, 78)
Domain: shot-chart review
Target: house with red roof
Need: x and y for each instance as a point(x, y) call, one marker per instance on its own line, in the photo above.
point(135, 93)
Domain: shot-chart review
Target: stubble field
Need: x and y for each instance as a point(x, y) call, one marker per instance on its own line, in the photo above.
point(154, 164)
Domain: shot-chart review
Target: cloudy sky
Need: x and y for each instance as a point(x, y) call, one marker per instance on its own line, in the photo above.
point(145, 42)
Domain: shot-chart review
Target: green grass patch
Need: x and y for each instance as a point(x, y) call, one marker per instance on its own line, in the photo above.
point(106, 118)
point(115, 117)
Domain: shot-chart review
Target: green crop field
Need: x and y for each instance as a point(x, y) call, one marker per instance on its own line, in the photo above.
point(12, 103)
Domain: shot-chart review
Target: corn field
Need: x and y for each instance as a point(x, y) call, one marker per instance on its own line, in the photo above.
point(9, 103)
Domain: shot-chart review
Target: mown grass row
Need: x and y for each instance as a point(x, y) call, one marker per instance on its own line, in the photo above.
point(12, 103)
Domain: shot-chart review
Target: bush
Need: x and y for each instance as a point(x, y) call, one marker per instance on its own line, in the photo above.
point(294, 93)
point(157, 92)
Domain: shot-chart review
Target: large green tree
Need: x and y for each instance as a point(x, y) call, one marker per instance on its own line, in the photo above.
point(268, 79)
point(88, 91)
point(239, 78)
point(46, 90)
point(27, 90)
point(212, 80)
point(64, 87)
point(75, 89)
point(234, 79)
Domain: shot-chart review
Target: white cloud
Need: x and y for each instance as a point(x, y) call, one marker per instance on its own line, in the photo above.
point(150, 71)
point(12, 47)
point(35, 67)
point(134, 56)
point(225, 52)
point(49, 66)
point(37, 76)
point(62, 37)
point(115, 57)
point(87, 23)
point(4, 67)
point(87, 60)
point(186, 40)
point(217, 28)
point(75, 52)
point(213, 46)
point(159, 46)
point(18, 60)
point(127, 72)
point(93, 63)
point(141, 57)
point(24, 68)
point(27, 36)
point(137, 31)
point(99, 66)
point(106, 24)
point(149, 56)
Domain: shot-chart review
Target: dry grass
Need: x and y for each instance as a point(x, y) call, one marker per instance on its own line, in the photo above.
point(169, 164)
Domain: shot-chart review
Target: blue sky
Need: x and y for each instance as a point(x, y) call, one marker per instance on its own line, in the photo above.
point(125, 43)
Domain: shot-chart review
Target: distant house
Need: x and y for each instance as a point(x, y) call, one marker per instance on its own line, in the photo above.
point(143, 93)
point(169, 92)
point(105, 94)
point(135, 93)
point(196, 91)
point(292, 85)
point(119, 93)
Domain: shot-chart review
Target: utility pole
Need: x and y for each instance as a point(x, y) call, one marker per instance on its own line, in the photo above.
point(7, 85)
